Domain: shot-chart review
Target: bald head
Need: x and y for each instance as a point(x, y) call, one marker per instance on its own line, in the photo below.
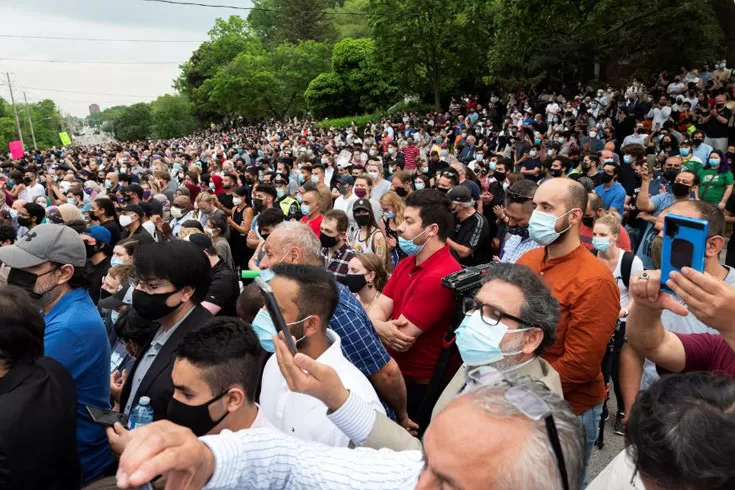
point(297, 242)
point(610, 146)
point(567, 192)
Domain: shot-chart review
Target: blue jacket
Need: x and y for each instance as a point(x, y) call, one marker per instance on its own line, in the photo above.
point(75, 337)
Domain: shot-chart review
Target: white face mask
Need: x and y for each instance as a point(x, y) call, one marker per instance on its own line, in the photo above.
point(125, 220)
point(236, 201)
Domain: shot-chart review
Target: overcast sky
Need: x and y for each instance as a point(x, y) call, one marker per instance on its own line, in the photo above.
point(117, 19)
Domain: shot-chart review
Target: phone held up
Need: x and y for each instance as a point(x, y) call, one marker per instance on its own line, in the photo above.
point(684, 245)
point(275, 313)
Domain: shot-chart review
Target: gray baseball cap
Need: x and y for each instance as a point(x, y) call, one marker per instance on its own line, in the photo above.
point(45, 243)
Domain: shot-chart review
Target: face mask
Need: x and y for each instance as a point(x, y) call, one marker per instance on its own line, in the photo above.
point(444, 153)
point(593, 135)
point(305, 210)
point(521, 231)
point(670, 174)
point(355, 282)
point(265, 329)
point(409, 246)
point(280, 192)
point(533, 154)
point(479, 158)
point(374, 175)
point(258, 204)
point(236, 201)
point(499, 176)
point(388, 215)
point(479, 343)
point(91, 250)
point(24, 221)
point(360, 192)
point(601, 243)
point(656, 251)
point(116, 261)
point(302, 179)
point(314, 179)
point(627, 159)
point(26, 281)
point(679, 189)
point(402, 192)
point(555, 172)
point(362, 219)
point(327, 241)
point(425, 170)
point(125, 220)
point(114, 316)
point(537, 141)
point(177, 212)
point(697, 141)
point(588, 221)
point(560, 140)
point(152, 306)
point(541, 227)
point(714, 162)
point(606, 178)
point(419, 184)
point(299, 198)
point(195, 417)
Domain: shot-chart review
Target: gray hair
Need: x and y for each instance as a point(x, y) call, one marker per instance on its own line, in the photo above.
point(375, 163)
point(536, 465)
point(539, 308)
point(299, 235)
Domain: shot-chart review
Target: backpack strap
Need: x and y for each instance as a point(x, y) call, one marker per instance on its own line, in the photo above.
point(625, 266)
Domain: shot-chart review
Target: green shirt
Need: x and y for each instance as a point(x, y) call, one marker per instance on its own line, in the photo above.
point(712, 185)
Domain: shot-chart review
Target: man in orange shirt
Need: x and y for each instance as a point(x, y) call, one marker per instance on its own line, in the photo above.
point(587, 293)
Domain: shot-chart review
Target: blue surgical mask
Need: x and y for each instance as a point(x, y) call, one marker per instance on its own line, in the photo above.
point(419, 185)
point(601, 243)
point(714, 162)
point(265, 329)
point(302, 179)
point(114, 315)
point(315, 179)
point(684, 152)
point(492, 166)
point(541, 227)
point(549, 153)
point(479, 343)
point(479, 158)
point(299, 197)
point(627, 159)
point(280, 192)
point(389, 215)
point(305, 210)
point(116, 261)
point(409, 246)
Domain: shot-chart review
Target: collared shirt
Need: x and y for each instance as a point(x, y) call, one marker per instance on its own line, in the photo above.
point(337, 263)
point(514, 247)
point(149, 356)
point(589, 301)
point(176, 223)
point(418, 295)
point(304, 416)
point(614, 197)
point(262, 458)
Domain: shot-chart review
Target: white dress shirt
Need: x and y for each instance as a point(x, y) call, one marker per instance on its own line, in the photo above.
point(304, 416)
point(265, 458)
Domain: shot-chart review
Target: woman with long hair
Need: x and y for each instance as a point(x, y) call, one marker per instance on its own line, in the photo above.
point(393, 207)
point(367, 237)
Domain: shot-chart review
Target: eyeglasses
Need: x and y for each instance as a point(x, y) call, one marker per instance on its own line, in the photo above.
point(529, 404)
point(489, 314)
point(518, 198)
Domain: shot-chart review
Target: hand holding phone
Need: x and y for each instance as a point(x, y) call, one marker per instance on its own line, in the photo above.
point(107, 417)
point(684, 245)
point(275, 313)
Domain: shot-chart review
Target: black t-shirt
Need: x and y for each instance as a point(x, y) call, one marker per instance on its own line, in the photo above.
point(531, 164)
point(715, 129)
point(474, 233)
point(435, 167)
point(223, 289)
point(95, 281)
point(115, 232)
point(226, 200)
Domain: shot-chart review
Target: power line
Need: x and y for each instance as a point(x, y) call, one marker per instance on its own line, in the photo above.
point(236, 7)
point(59, 38)
point(21, 60)
point(84, 93)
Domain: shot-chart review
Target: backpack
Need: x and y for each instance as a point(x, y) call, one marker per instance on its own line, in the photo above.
point(625, 267)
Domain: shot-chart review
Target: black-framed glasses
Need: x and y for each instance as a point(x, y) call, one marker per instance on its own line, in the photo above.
point(529, 404)
point(490, 314)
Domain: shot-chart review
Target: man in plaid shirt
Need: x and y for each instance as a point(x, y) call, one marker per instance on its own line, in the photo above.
point(335, 251)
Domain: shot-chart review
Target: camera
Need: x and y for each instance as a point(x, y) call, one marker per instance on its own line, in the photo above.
point(468, 281)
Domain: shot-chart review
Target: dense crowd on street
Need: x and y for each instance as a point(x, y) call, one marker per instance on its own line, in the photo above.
point(136, 346)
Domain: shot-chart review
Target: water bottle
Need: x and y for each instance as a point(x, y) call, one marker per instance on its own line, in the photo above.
point(141, 414)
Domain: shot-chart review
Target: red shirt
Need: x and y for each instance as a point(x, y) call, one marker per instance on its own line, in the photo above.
point(419, 296)
point(585, 236)
point(589, 301)
point(314, 224)
point(708, 352)
point(411, 153)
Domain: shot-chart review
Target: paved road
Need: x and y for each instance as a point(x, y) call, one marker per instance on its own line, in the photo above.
point(613, 444)
point(92, 140)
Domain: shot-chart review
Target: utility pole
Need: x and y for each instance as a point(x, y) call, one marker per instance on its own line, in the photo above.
point(15, 109)
point(30, 122)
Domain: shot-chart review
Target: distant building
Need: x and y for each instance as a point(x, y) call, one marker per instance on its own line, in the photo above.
point(93, 108)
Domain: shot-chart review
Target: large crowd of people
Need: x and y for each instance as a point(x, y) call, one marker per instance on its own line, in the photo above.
point(127, 285)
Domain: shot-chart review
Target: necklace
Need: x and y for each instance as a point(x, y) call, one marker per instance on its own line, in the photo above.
point(377, 293)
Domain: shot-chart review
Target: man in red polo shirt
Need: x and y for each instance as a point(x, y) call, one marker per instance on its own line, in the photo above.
point(415, 310)
point(312, 212)
point(411, 153)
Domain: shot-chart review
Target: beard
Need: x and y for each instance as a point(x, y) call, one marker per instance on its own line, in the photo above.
point(510, 361)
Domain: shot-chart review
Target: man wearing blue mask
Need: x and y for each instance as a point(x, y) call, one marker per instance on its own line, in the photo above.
point(415, 310)
point(587, 293)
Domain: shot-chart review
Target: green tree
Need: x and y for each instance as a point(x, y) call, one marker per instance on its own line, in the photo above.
point(352, 26)
point(292, 21)
point(430, 44)
point(172, 116)
point(134, 123)
point(356, 83)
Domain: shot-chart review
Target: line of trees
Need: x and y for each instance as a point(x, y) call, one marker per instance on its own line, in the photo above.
point(47, 124)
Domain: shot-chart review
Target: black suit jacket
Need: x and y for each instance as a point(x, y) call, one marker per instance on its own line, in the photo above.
point(38, 428)
point(156, 383)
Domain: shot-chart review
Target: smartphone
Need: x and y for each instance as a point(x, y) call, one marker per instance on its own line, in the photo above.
point(275, 313)
point(107, 417)
point(684, 244)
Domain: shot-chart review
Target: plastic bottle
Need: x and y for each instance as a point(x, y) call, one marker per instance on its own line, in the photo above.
point(141, 414)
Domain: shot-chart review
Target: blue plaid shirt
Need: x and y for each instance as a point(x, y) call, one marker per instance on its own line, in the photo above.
point(360, 344)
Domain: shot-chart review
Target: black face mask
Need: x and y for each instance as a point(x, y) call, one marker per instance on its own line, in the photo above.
point(521, 231)
point(670, 175)
point(26, 281)
point(24, 221)
point(27, 180)
point(402, 192)
point(362, 219)
point(588, 221)
point(195, 417)
point(91, 250)
point(327, 241)
point(680, 190)
point(152, 306)
point(355, 282)
point(606, 178)
point(499, 176)
point(555, 172)
point(104, 294)
point(258, 204)
point(442, 190)
point(697, 142)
